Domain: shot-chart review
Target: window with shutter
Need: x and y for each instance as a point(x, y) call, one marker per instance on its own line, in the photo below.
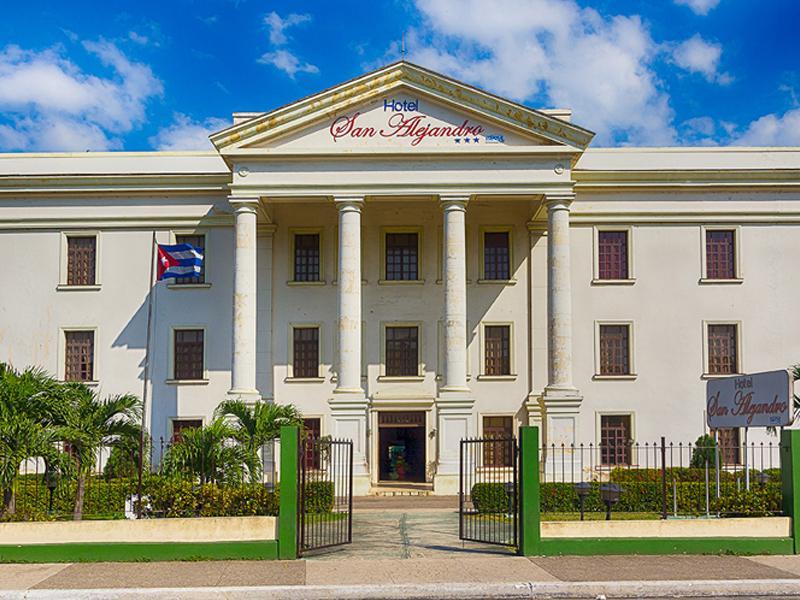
point(720, 254)
point(79, 356)
point(188, 352)
point(612, 255)
point(722, 349)
point(614, 350)
point(81, 260)
point(615, 439)
point(305, 359)
point(402, 351)
point(199, 242)
point(497, 454)
point(496, 255)
point(307, 257)
point(402, 251)
point(497, 349)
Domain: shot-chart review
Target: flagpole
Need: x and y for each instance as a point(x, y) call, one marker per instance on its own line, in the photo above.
point(151, 293)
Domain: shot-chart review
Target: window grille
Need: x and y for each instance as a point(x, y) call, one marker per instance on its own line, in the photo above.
point(306, 257)
point(497, 454)
point(402, 346)
point(189, 354)
point(496, 255)
point(720, 254)
point(612, 254)
point(181, 425)
point(615, 439)
point(497, 349)
point(81, 257)
point(615, 350)
point(199, 242)
point(79, 355)
point(722, 350)
point(305, 360)
point(402, 256)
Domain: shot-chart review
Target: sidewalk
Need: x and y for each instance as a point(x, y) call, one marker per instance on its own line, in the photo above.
point(462, 577)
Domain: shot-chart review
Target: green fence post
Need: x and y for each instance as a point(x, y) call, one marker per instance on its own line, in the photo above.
point(790, 480)
point(529, 519)
point(287, 515)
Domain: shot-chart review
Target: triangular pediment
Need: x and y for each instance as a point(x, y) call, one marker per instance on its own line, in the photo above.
point(400, 108)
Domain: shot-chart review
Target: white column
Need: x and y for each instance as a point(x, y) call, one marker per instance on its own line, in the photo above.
point(455, 294)
point(243, 365)
point(559, 294)
point(454, 404)
point(561, 399)
point(349, 404)
point(349, 324)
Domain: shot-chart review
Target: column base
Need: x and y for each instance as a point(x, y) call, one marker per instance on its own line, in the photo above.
point(446, 485)
point(562, 407)
point(248, 396)
point(455, 422)
point(349, 422)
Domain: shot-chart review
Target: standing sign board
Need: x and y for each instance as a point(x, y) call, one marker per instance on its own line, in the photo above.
point(757, 400)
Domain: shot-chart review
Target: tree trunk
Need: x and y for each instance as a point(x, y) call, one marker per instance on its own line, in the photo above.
point(9, 502)
point(80, 491)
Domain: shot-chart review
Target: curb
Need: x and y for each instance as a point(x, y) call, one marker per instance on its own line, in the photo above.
point(445, 591)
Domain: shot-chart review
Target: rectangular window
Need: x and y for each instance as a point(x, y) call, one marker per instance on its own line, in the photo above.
point(199, 242)
point(312, 430)
point(79, 356)
point(612, 255)
point(189, 354)
point(81, 260)
point(615, 439)
point(181, 425)
point(402, 250)
point(496, 255)
point(402, 348)
point(729, 446)
point(497, 349)
point(305, 352)
point(498, 454)
point(720, 254)
point(306, 257)
point(614, 350)
point(723, 349)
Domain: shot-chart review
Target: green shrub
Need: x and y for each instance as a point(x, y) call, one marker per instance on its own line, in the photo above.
point(173, 497)
point(490, 498)
point(685, 474)
point(319, 496)
point(647, 497)
point(704, 452)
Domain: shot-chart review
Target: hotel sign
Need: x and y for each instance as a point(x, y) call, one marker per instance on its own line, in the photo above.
point(757, 400)
point(402, 119)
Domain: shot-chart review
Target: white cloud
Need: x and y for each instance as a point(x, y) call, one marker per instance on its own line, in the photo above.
point(187, 134)
point(699, 56)
point(51, 104)
point(773, 130)
point(700, 7)
point(287, 62)
point(138, 38)
point(277, 25)
point(552, 52)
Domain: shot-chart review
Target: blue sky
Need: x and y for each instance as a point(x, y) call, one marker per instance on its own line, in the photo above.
point(144, 75)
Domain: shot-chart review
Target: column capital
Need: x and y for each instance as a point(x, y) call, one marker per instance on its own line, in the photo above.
point(560, 200)
point(349, 202)
point(454, 201)
point(244, 203)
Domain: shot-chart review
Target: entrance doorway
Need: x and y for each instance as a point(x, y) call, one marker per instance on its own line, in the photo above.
point(401, 446)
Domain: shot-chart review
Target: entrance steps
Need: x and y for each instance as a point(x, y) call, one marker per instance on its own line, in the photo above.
point(386, 491)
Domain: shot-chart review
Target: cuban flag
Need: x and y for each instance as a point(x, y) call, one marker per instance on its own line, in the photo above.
point(179, 260)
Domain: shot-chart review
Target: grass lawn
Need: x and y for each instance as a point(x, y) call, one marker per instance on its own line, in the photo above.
point(600, 516)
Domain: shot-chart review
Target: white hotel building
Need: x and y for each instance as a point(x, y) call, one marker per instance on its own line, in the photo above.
point(410, 261)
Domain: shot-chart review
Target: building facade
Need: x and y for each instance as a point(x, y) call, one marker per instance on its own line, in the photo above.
point(410, 261)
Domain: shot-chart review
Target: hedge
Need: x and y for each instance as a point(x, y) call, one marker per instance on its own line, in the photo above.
point(685, 474)
point(491, 498)
point(319, 496)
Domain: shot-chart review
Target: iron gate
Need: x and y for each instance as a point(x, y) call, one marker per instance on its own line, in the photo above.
point(488, 494)
point(325, 499)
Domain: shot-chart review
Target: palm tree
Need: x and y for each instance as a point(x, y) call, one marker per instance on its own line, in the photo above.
point(210, 454)
point(89, 423)
point(27, 403)
point(256, 424)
